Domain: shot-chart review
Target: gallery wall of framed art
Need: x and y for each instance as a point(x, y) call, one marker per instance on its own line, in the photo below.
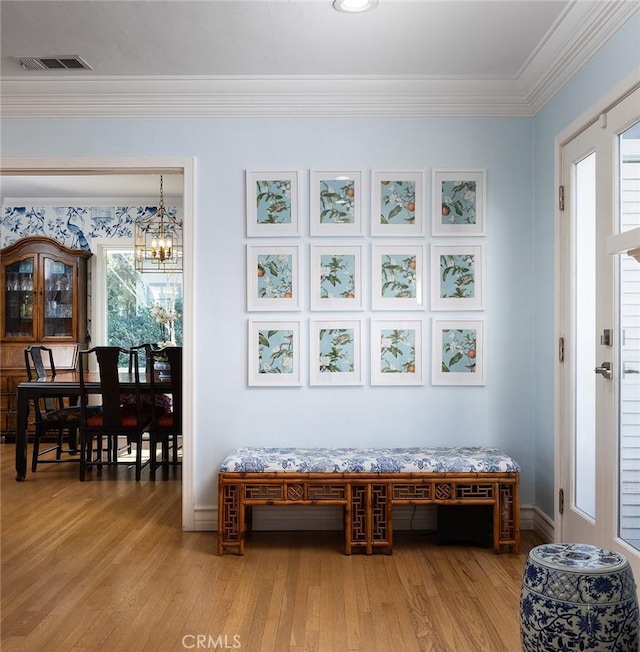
point(372, 270)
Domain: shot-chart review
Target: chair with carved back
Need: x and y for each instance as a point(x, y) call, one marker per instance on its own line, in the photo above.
point(114, 419)
point(162, 401)
point(129, 400)
point(50, 412)
point(166, 424)
point(146, 350)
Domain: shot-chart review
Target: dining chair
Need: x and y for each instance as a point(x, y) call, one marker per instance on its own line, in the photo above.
point(162, 401)
point(50, 412)
point(114, 419)
point(129, 400)
point(146, 349)
point(166, 424)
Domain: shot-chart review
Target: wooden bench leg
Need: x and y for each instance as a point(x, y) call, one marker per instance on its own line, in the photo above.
point(230, 518)
point(496, 518)
point(509, 514)
point(347, 520)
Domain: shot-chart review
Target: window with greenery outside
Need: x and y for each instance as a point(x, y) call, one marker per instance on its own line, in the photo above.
point(141, 307)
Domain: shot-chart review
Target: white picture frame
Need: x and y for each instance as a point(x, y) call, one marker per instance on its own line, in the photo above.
point(335, 203)
point(273, 353)
point(458, 352)
point(335, 352)
point(458, 202)
point(397, 356)
point(336, 277)
point(397, 203)
point(457, 277)
point(398, 277)
point(273, 277)
point(273, 204)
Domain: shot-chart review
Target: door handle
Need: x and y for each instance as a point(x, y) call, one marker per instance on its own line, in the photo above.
point(605, 370)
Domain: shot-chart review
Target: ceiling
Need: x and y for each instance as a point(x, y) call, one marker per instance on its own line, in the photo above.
point(249, 38)
point(298, 57)
point(184, 58)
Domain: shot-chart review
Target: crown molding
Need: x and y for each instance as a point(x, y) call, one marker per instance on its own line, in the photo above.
point(575, 37)
point(343, 96)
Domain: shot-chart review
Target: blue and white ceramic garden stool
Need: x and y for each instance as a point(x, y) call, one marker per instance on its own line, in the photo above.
point(578, 597)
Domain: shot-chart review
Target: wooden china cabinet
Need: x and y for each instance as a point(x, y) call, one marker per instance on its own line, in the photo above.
point(43, 287)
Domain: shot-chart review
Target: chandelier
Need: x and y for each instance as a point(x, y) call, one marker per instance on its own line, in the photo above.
point(158, 241)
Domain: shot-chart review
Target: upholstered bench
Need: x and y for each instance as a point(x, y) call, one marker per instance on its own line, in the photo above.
point(368, 482)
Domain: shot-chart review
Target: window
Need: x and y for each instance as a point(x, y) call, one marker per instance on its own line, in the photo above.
point(139, 308)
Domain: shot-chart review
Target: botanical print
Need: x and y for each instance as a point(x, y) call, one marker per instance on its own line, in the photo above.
point(397, 202)
point(275, 351)
point(458, 202)
point(459, 349)
point(73, 226)
point(397, 351)
point(457, 276)
point(398, 276)
point(275, 276)
point(337, 353)
point(337, 201)
point(273, 201)
point(337, 276)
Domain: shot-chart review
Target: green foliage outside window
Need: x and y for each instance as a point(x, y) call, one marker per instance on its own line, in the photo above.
point(130, 301)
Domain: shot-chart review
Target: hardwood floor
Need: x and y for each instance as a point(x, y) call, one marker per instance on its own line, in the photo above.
point(104, 566)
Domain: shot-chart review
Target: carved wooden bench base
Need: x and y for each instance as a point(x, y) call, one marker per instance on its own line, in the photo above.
point(368, 500)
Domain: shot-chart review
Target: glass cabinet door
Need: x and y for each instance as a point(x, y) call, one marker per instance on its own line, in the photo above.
point(58, 299)
point(19, 299)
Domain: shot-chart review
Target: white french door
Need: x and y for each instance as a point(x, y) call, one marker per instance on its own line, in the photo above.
point(599, 438)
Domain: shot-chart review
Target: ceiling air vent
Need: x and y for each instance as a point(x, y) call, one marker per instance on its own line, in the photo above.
point(69, 62)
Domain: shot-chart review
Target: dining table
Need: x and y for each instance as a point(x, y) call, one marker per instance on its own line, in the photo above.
point(67, 384)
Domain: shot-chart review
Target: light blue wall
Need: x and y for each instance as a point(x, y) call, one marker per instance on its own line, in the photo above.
point(230, 414)
point(619, 58)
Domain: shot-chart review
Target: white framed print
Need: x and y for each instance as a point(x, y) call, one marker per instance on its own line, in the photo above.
point(396, 352)
point(397, 203)
point(335, 352)
point(273, 204)
point(457, 277)
point(459, 198)
point(273, 277)
point(458, 352)
point(335, 203)
point(397, 277)
point(274, 353)
point(336, 277)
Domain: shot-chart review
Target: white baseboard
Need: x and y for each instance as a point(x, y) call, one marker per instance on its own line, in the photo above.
point(302, 517)
point(205, 519)
point(543, 525)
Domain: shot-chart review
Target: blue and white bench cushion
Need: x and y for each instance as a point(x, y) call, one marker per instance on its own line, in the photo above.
point(478, 459)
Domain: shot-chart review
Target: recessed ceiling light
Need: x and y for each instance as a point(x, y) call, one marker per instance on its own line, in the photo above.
point(354, 6)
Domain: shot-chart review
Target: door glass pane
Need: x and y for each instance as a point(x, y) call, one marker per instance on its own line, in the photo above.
point(584, 457)
point(141, 308)
point(19, 299)
point(629, 364)
point(58, 299)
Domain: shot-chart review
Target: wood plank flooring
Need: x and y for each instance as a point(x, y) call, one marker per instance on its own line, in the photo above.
point(105, 566)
